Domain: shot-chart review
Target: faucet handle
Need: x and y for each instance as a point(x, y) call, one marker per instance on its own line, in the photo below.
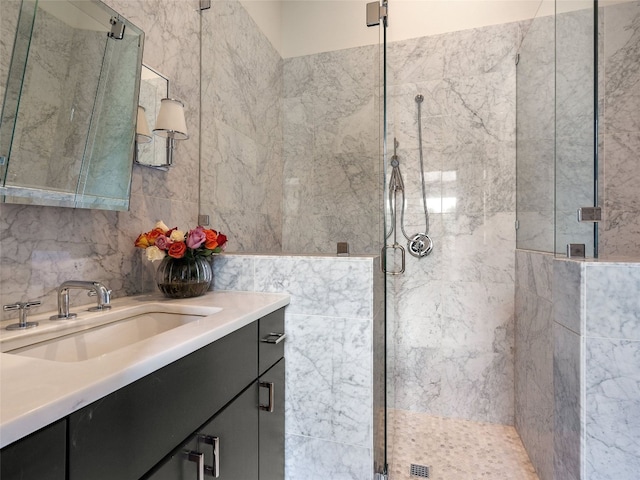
point(22, 308)
point(104, 299)
point(21, 305)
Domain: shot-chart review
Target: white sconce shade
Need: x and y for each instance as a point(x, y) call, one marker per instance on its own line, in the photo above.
point(170, 122)
point(143, 134)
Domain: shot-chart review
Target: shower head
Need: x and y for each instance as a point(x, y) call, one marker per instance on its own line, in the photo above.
point(419, 98)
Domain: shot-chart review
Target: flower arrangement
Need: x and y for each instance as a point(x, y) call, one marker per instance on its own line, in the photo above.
point(162, 241)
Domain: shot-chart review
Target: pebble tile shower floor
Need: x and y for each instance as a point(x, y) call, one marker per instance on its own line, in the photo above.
point(455, 449)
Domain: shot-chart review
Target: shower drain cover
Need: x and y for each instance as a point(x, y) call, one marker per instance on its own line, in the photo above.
point(421, 471)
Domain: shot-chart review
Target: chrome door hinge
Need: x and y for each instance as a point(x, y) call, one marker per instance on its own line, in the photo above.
point(590, 214)
point(375, 13)
point(517, 224)
point(517, 58)
point(117, 29)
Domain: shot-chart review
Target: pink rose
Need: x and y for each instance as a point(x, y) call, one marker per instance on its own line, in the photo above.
point(196, 237)
point(163, 243)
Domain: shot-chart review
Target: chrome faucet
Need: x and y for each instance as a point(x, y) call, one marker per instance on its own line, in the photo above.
point(95, 289)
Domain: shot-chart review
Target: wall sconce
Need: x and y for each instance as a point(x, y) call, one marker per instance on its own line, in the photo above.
point(171, 124)
point(143, 134)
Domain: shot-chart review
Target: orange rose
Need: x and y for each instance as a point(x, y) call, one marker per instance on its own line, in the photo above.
point(177, 249)
point(211, 239)
point(142, 241)
point(153, 234)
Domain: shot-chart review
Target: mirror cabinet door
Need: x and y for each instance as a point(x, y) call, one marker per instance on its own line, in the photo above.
point(68, 120)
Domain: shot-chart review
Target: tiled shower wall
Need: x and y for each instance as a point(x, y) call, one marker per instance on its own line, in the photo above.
point(332, 322)
point(241, 171)
point(451, 343)
point(43, 246)
point(596, 368)
point(534, 358)
point(620, 129)
point(331, 128)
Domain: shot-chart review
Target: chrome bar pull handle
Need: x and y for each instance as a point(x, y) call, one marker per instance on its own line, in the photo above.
point(212, 470)
point(197, 458)
point(274, 338)
point(269, 406)
point(383, 259)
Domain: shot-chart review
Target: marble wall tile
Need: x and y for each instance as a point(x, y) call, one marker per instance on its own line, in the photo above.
point(619, 72)
point(234, 272)
point(330, 371)
point(316, 459)
point(319, 286)
point(533, 362)
point(568, 294)
point(568, 431)
point(597, 375)
point(534, 272)
point(453, 54)
point(612, 301)
point(455, 382)
point(612, 382)
point(618, 238)
point(331, 118)
point(622, 44)
point(242, 170)
point(621, 172)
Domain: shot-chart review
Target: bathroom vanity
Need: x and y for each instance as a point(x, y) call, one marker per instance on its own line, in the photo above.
point(205, 398)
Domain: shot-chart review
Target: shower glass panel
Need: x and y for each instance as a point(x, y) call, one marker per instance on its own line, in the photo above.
point(556, 103)
point(535, 129)
point(291, 135)
point(291, 158)
point(576, 146)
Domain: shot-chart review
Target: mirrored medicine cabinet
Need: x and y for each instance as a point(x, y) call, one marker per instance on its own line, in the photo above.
point(70, 83)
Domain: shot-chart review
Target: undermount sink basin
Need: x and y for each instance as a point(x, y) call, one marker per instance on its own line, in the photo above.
point(120, 329)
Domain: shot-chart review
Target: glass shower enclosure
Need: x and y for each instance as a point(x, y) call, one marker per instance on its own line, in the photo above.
point(557, 130)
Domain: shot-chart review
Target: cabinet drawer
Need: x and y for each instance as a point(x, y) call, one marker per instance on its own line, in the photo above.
point(271, 336)
point(126, 433)
point(233, 431)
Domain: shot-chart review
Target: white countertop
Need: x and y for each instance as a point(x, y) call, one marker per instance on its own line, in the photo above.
point(35, 392)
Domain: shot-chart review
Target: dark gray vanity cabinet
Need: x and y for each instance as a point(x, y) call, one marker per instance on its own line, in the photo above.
point(247, 436)
point(40, 456)
point(126, 433)
point(219, 410)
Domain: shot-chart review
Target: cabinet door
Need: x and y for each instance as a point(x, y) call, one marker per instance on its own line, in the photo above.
point(40, 456)
point(272, 423)
point(233, 432)
point(236, 428)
